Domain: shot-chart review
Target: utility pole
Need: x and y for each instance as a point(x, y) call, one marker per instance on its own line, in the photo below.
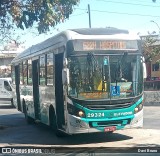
point(89, 13)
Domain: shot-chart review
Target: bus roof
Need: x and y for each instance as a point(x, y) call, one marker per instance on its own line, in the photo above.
point(100, 31)
point(82, 33)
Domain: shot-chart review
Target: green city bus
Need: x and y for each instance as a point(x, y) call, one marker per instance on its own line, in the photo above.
point(82, 81)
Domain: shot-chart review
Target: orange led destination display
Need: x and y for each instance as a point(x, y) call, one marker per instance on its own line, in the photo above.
point(104, 45)
point(89, 45)
point(112, 45)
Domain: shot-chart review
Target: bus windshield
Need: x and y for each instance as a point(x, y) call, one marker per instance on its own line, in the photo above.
point(95, 76)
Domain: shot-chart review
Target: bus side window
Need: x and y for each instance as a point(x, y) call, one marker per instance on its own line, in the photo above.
point(13, 74)
point(50, 69)
point(7, 86)
point(29, 72)
point(21, 73)
point(25, 71)
point(42, 74)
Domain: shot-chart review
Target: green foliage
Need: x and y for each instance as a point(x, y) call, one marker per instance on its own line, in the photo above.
point(25, 13)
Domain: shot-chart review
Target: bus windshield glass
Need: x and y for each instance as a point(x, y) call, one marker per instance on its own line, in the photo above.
point(95, 76)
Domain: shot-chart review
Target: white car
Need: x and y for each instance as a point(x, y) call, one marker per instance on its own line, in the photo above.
point(6, 90)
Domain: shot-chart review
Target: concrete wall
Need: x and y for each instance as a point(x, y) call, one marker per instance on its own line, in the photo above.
point(152, 98)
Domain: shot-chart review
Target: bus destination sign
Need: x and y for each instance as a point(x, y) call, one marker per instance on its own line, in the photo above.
point(103, 45)
point(85, 45)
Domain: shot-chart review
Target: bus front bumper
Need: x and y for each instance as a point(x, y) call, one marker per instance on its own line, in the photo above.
point(77, 125)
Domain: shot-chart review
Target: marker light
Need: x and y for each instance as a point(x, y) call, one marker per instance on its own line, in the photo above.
point(73, 110)
point(138, 108)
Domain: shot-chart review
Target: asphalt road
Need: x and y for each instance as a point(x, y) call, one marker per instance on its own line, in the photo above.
point(14, 131)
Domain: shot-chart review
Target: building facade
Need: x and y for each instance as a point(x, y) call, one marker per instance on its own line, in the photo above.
point(6, 56)
point(152, 81)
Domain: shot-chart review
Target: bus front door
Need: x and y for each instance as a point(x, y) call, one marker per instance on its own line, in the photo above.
point(35, 76)
point(59, 91)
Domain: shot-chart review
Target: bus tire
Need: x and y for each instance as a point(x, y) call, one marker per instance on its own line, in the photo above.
point(28, 118)
point(53, 123)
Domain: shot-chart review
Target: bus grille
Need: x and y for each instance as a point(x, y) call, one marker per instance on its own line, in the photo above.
point(107, 104)
point(109, 123)
point(108, 107)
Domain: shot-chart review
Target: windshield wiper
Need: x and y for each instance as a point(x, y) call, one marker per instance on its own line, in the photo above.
point(94, 71)
point(118, 72)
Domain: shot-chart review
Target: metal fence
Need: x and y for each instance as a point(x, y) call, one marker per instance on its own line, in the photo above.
point(152, 85)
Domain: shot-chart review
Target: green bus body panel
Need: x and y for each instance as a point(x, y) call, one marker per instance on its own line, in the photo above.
point(110, 115)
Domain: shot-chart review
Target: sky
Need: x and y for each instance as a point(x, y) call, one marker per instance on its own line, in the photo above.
point(135, 16)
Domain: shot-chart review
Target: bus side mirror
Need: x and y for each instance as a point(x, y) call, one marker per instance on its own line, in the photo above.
point(144, 68)
point(65, 76)
point(144, 71)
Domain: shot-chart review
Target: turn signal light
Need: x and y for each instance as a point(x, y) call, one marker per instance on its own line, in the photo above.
point(138, 108)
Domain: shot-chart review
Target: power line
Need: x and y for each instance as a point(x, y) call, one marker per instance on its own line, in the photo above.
point(126, 3)
point(77, 14)
point(123, 13)
point(143, 1)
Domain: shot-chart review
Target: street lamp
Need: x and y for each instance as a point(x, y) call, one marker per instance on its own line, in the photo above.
point(156, 24)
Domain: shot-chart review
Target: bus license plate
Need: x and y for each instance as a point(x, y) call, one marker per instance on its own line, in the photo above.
point(108, 129)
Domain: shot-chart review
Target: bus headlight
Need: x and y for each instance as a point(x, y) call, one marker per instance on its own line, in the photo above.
point(81, 114)
point(138, 108)
point(75, 111)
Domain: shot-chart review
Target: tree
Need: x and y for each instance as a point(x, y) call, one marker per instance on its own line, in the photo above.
point(26, 13)
point(151, 47)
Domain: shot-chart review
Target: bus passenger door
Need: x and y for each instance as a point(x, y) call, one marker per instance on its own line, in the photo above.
point(59, 90)
point(17, 82)
point(35, 76)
